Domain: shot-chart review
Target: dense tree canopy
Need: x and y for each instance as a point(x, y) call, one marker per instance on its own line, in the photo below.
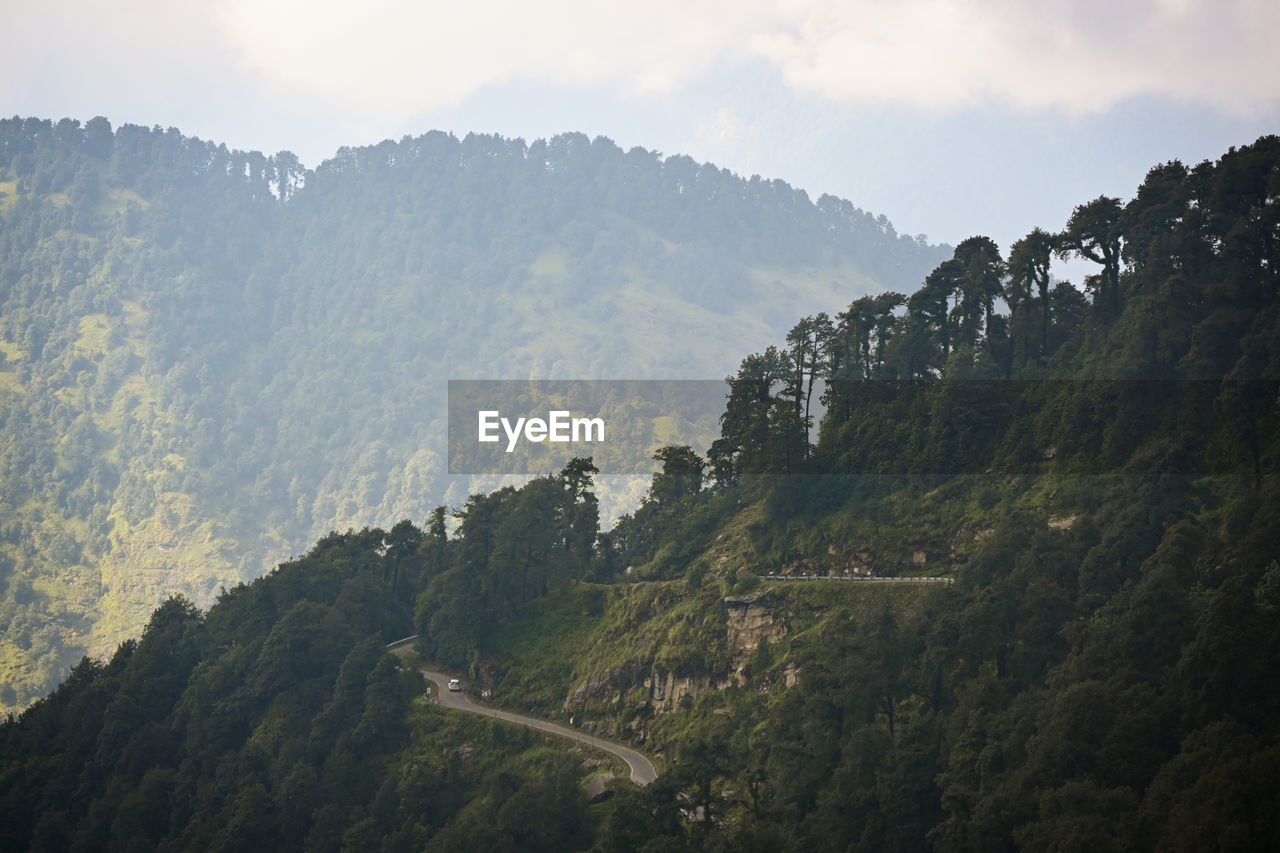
point(1100, 675)
point(211, 357)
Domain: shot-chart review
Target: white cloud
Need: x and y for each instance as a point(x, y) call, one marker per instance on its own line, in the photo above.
point(387, 55)
point(1078, 56)
point(377, 65)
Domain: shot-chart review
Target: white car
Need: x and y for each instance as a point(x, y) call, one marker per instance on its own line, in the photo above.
point(454, 685)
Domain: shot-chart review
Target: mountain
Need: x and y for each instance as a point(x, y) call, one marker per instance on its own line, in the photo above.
point(209, 358)
point(1070, 509)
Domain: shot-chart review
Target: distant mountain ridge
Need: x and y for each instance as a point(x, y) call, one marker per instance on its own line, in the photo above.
point(211, 357)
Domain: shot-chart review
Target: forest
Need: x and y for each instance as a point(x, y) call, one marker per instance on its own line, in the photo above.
point(211, 358)
point(1095, 469)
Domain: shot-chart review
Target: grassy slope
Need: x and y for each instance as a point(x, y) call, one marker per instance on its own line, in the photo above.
point(641, 662)
point(633, 639)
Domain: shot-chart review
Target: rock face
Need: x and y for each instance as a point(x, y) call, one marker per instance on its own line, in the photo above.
point(619, 681)
point(659, 691)
point(837, 563)
point(638, 691)
point(667, 692)
point(748, 620)
point(597, 789)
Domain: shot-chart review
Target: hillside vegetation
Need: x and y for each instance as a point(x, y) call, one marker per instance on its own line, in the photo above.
point(1096, 471)
point(210, 358)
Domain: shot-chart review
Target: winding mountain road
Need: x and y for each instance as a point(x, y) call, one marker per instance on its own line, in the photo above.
point(642, 770)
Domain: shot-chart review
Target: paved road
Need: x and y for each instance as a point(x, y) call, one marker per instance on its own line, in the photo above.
point(642, 770)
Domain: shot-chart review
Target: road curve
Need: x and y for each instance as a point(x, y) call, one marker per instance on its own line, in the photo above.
point(642, 770)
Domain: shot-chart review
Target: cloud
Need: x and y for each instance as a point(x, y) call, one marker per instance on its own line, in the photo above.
point(389, 55)
point(1078, 56)
point(929, 54)
point(385, 61)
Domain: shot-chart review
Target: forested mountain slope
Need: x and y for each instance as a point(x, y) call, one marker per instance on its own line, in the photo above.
point(209, 358)
point(1096, 475)
point(1099, 477)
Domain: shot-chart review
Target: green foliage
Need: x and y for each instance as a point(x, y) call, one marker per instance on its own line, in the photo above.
point(1099, 676)
point(512, 546)
point(273, 722)
point(213, 357)
point(1109, 642)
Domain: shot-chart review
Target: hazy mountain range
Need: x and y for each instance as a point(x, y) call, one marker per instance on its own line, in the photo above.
point(211, 357)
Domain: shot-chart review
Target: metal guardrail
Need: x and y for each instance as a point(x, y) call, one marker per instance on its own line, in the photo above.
point(883, 580)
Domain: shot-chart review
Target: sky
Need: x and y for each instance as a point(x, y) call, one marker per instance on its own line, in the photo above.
point(950, 117)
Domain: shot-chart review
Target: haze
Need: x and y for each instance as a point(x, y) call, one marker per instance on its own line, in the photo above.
point(948, 116)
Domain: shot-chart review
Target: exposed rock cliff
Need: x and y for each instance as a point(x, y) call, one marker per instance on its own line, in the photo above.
point(622, 698)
